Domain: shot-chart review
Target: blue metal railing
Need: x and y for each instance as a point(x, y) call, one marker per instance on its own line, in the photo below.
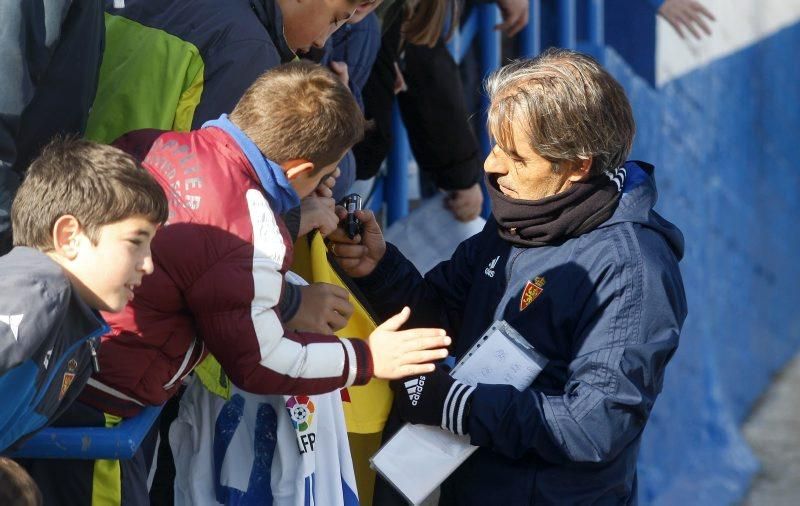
point(392, 190)
point(117, 443)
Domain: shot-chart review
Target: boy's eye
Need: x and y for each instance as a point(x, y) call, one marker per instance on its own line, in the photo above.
point(137, 242)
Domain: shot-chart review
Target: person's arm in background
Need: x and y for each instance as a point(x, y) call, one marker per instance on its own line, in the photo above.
point(689, 15)
point(436, 118)
point(24, 54)
point(515, 14)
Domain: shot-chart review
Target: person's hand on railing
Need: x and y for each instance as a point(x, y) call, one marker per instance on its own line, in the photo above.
point(515, 16)
point(360, 255)
point(465, 204)
point(687, 15)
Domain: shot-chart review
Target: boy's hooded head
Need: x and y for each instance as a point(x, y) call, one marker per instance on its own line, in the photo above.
point(302, 117)
point(94, 210)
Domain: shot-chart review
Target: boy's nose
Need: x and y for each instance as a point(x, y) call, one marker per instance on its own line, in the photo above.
point(147, 264)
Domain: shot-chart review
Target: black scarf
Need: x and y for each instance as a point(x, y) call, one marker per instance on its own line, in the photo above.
point(552, 220)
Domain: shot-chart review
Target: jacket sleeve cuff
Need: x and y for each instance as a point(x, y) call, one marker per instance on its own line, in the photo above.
point(377, 279)
point(455, 412)
point(359, 362)
point(289, 302)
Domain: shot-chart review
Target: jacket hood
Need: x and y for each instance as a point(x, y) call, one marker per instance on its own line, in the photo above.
point(639, 196)
point(269, 13)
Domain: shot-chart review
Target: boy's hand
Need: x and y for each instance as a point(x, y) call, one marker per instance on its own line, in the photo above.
point(317, 213)
point(358, 256)
point(465, 204)
point(325, 187)
point(324, 309)
point(399, 353)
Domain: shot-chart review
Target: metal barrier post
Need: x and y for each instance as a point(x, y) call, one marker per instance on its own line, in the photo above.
point(396, 187)
point(596, 19)
point(488, 18)
point(567, 24)
point(530, 37)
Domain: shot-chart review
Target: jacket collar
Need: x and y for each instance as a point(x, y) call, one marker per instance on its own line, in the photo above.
point(269, 13)
point(269, 173)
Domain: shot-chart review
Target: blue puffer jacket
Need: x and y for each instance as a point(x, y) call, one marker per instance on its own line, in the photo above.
point(607, 311)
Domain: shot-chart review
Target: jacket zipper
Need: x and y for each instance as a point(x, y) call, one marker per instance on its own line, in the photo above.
point(64, 356)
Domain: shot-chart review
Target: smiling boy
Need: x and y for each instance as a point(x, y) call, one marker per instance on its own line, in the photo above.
point(83, 221)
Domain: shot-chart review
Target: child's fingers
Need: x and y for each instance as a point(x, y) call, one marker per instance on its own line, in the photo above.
point(423, 339)
point(423, 356)
point(396, 321)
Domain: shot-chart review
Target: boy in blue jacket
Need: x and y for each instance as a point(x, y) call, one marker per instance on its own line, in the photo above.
point(576, 260)
point(83, 220)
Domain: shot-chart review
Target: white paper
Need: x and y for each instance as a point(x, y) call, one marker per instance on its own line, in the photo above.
point(419, 458)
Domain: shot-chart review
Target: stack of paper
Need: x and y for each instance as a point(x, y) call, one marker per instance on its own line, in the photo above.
point(419, 458)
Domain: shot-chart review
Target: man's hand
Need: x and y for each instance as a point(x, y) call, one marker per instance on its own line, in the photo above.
point(317, 213)
point(359, 256)
point(465, 204)
point(340, 69)
point(515, 16)
point(686, 14)
point(427, 399)
point(398, 353)
point(324, 309)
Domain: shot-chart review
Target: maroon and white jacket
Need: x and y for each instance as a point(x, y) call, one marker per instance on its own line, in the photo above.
point(219, 265)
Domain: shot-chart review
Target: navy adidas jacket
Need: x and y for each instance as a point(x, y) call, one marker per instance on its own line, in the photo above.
point(606, 311)
point(46, 336)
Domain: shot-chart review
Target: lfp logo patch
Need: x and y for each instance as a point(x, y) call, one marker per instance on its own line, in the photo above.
point(301, 411)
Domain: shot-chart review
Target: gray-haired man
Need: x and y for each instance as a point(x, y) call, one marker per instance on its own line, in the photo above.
point(583, 269)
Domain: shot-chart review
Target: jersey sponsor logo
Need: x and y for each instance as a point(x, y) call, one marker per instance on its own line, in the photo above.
point(489, 271)
point(533, 289)
point(414, 388)
point(13, 321)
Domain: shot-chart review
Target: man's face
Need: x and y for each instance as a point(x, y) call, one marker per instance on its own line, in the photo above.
point(530, 176)
point(308, 23)
point(106, 274)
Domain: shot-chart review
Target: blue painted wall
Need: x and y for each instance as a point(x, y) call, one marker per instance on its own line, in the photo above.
point(723, 139)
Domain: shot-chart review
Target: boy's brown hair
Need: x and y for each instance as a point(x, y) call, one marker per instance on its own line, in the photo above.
point(300, 111)
point(95, 183)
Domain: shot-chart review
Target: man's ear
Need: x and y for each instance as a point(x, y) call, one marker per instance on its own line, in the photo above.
point(580, 171)
point(296, 168)
point(66, 232)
